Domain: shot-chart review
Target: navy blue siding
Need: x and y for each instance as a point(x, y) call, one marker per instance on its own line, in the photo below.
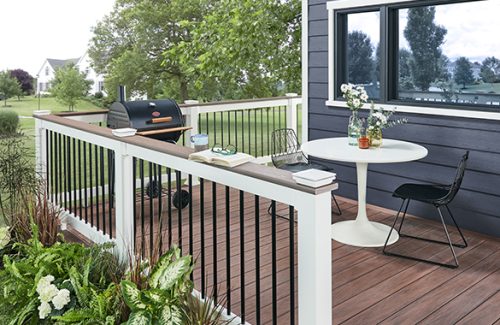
point(477, 206)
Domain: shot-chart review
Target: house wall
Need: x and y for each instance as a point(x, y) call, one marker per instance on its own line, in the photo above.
point(98, 79)
point(45, 75)
point(477, 205)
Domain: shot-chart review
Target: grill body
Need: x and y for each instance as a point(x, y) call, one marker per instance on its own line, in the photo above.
point(154, 118)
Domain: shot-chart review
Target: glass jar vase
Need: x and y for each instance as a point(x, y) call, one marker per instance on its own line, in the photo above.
point(354, 129)
point(375, 136)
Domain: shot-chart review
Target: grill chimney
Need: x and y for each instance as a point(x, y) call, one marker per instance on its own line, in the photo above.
point(121, 94)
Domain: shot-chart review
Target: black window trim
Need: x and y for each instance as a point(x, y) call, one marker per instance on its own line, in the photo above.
point(389, 45)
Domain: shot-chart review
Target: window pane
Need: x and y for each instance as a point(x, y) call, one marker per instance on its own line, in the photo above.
point(450, 53)
point(363, 55)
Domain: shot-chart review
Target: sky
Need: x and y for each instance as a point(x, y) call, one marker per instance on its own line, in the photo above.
point(34, 30)
point(473, 28)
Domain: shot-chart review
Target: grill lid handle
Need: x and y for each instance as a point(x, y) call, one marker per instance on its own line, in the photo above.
point(152, 105)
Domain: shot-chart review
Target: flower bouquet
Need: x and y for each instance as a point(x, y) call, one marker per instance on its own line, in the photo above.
point(356, 97)
point(378, 120)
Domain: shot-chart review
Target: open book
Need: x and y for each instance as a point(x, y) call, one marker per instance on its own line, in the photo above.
point(219, 159)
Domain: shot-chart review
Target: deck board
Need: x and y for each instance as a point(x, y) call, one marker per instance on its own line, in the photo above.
point(368, 287)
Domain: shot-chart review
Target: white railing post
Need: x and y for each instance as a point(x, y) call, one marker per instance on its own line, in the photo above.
point(40, 145)
point(315, 260)
point(125, 201)
point(291, 116)
point(192, 120)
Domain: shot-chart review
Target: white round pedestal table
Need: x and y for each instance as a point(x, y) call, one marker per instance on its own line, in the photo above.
point(362, 232)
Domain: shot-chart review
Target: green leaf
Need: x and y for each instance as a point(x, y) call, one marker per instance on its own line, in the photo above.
point(132, 296)
point(171, 315)
point(140, 318)
point(172, 273)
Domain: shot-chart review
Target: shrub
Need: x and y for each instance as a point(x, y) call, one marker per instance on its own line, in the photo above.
point(9, 123)
point(98, 95)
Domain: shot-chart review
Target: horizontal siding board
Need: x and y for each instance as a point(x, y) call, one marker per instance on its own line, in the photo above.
point(318, 28)
point(318, 12)
point(318, 60)
point(318, 75)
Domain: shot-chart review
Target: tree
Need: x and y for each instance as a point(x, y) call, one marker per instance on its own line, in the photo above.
point(203, 48)
point(490, 70)
point(248, 47)
point(463, 74)
point(9, 87)
point(405, 80)
point(69, 85)
point(425, 39)
point(360, 60)
point(24, 79)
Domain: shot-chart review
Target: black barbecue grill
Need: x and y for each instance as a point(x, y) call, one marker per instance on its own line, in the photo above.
point(158, 119)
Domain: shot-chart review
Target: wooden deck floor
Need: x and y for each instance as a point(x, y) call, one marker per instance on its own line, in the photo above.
point(368, 287)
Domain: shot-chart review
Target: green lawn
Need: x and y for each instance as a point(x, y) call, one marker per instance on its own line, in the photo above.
point(27, 105)
point(483, 88)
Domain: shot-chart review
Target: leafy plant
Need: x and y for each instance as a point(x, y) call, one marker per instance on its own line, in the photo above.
point(204, 312)
point(73, 267)
point(9, 123)
point(167, 286)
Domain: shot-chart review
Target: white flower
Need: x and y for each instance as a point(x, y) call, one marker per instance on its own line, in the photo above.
point(47, 293)
point(44, 310)
point(356, 102)
point(378, 123)
point(349, 87)
point(61, 299)
point(343, 88)
point(364, 97)
point(355, 93)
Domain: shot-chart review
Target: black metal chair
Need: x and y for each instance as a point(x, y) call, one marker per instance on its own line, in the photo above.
point(286, 155)
point(437, 195)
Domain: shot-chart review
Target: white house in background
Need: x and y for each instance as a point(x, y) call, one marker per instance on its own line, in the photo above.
point(47, 71)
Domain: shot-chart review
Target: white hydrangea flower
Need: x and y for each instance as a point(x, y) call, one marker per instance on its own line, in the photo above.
point(356, 102)
point(47, 293)
point(61, 299)
point(44, 282)
point(44, 310)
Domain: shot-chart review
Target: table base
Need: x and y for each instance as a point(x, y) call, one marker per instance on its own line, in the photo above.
point(363, 233)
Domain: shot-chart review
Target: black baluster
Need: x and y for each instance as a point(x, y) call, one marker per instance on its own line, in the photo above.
point(143, 209)
point(103, 190)
point(91, 187)
point(291, 218)
point(151, 190)
point(85, 165)
point(242, 255)
point(73, 176)
point(160, 208)
point(111, 189)
point(134, 185)
point(191, 249)
point(96, 154)
point(214, 235)
point(257, 259)
point(228, 251)
point(179, 208)
point(169, 205)
point(80, 201)
point(202, 229)
point(273, 261)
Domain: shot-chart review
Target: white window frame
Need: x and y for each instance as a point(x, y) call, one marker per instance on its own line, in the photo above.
point(332, 6)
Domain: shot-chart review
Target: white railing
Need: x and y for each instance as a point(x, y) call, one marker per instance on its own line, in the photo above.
point(313, 205)
point(194, 112)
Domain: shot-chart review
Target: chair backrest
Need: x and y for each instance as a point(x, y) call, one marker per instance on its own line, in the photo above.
point(285, 148)
point(457, 182)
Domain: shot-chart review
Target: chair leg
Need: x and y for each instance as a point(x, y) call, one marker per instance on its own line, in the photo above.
point(458, 228)
point(404, 216)
point(339, 211)
point(393, 225)
point(453, 266)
